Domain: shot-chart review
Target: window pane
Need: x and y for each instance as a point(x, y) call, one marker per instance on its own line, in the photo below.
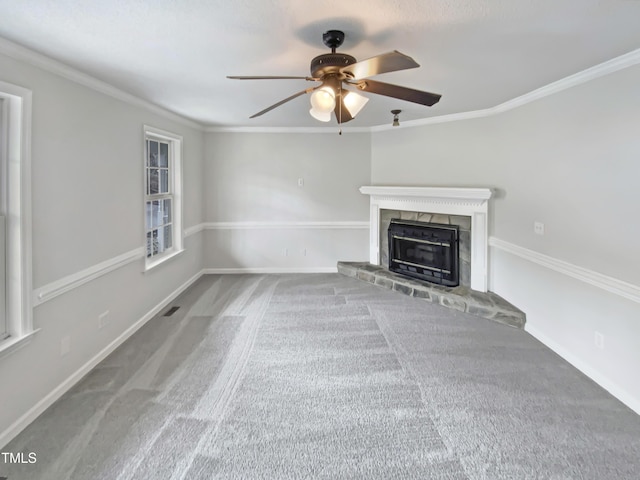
point(153, 181)
point(160, 239)
point(163, 160)
point(148, 215)
point(167, 236)
point(153, 153)
point(156, 213)
point(164, 181)
point(156, 246)
point(149, 243)
point(167, 210)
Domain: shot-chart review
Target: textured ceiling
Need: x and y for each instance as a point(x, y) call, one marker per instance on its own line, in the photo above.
point(176, 54)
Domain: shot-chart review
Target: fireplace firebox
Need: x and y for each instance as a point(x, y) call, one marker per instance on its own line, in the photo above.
point(427, 251)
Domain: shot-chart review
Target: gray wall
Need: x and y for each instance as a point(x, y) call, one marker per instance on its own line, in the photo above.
point(87, 196)
point(253, 177)
point(571, 161)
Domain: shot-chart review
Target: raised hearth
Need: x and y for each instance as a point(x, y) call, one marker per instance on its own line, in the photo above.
point(486, 305)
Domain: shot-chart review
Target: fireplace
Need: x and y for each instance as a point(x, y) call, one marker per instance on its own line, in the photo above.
point(427, 251)
point(457, 202)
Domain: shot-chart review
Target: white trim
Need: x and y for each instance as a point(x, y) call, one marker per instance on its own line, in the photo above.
point(613, 388)
point(13, 430)
point(31, 57)
point(18, 204)
point(75, 280)
point(261, 270)
point(326, 130)
point(193, 230)
point(175, 146)
point(160, 259)
point(19, 52)
point(65, 284)
point(471, 202)
point(611, 66)
point(450, 195)
point(12, 344)
point(288, 225)
point(609, 284)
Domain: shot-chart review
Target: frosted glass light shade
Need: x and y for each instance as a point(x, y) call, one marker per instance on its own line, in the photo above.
point(354, 102)
point(319, 115)
point(323, 99)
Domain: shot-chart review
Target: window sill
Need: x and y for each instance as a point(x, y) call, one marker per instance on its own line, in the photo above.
point(149, 265)
point(13, 344)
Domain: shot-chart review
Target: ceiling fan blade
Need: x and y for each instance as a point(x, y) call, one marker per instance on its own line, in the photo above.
point(266, 77)
point(396, 91)
point(341, 112)
point(387, 62)
point(275, 105)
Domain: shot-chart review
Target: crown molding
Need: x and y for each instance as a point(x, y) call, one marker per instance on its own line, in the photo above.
point(18, 52)
point(332, 130)
point(619, 63)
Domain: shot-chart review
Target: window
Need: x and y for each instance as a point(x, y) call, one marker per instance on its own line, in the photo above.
point(162, 173)
point(16, 325)
point(4, 331)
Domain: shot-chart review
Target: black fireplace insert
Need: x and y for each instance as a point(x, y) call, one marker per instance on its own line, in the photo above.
point(427, 251)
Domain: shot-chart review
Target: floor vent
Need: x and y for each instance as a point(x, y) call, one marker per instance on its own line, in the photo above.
point(171, 311)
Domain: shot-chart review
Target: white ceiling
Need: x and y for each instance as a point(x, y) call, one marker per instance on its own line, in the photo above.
point(177, 53)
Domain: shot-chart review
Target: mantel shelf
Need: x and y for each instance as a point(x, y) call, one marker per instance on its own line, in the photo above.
point(443, 193)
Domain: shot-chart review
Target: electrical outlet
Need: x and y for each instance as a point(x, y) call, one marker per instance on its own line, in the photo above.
point(301, 182)
point(65, 345)
point(598, 339)
point(103, 319)
point(538, 228)
point(285, 252)
point(304, 252)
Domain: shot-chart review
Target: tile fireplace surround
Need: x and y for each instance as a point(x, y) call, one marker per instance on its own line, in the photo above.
point(471, 202)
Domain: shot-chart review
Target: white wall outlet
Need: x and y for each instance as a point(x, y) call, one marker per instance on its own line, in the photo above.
point(598, 339)
point(538, 228)
point(103, 319)
point(285, 252)
point(301, 182)
point(304, 252)
point(65, 345)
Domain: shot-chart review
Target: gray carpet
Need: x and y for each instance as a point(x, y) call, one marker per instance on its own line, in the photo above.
point(325, 377)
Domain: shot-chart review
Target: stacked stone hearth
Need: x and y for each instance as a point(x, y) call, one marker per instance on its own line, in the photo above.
point(486, 305)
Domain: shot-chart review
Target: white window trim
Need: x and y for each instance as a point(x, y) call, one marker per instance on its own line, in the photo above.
point(17, 161)
point(175, 144)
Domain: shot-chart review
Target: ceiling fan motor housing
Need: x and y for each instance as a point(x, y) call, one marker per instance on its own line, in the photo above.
point(330, 63)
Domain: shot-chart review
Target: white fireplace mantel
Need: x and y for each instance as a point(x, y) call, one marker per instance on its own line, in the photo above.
point(472, 202)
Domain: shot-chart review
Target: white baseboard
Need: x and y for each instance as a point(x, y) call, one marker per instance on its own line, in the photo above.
point(20, 424)
point(614, 389)
point(270, 270)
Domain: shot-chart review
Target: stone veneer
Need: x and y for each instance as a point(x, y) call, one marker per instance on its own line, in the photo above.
point(487, 305)
point(464, 229)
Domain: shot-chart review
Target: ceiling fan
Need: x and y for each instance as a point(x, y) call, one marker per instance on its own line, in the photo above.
point(341, 76)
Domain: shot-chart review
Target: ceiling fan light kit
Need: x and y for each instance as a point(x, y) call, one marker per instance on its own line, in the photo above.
point(335, 71)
